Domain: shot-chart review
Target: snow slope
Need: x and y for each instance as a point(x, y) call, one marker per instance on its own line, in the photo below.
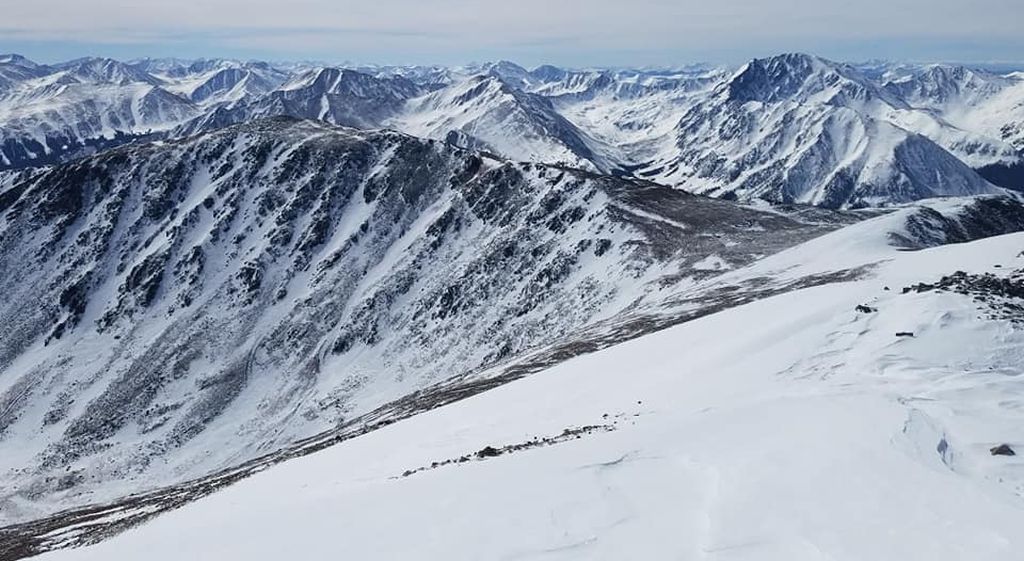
point(790, 428)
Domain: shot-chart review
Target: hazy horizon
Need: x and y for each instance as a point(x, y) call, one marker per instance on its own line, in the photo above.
point(991, 65)
point(574, 33)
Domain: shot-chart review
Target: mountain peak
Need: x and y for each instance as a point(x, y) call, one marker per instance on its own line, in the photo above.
point(549, 73)
point(510, 72)
point(19, 60)
point(939, 84)
point(108, 70)
point(799, 77)
point(507, 66)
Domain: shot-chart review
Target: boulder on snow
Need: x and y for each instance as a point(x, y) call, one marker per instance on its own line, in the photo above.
point(1003, 450)
point(488, 452)
point(865, 309)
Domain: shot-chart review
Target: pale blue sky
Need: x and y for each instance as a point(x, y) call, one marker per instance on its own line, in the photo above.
point(569, 32)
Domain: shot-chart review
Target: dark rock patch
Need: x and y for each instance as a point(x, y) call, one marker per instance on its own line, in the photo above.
point(1003, 450)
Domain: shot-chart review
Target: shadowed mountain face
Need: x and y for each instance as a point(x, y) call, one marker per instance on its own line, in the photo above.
point(178, 307)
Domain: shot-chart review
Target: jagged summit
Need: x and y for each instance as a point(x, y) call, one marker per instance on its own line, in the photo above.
point(803, 78)
point(940, 84)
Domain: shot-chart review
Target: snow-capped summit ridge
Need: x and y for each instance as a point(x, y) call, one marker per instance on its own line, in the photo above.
point(14, 58)
point(107, 71)
point(803, 78)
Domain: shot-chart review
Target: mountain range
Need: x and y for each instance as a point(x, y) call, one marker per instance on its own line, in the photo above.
point(789, 128)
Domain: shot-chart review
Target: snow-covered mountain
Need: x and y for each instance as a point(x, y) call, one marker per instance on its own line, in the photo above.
point(105, 71)
point(334, 95)
point(15, 69)
point(427, 77)
point(989, 106)
point(942, 87)
point(800, 128)
point(54, 113)
point(213, 83)
point(482, 112)
point(179, 307)
point(486, 113)
point(844, 368)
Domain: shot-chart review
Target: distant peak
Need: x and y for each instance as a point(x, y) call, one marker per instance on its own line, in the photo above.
point(107, 70)
point(789, 76)
point(13, 58)
point(794, 62)
point(548, 73)
point(507, 65)
point(508, 71)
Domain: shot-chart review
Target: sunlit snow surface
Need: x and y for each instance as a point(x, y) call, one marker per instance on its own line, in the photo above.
point(789, 428)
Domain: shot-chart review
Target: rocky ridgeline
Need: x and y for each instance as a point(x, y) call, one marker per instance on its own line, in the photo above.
point(1002, 296)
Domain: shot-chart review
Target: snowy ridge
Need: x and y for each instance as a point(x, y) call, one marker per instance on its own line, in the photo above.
point(54, 113)
point(486, 113)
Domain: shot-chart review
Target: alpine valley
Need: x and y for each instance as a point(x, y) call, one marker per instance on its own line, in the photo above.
point(584, 313)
